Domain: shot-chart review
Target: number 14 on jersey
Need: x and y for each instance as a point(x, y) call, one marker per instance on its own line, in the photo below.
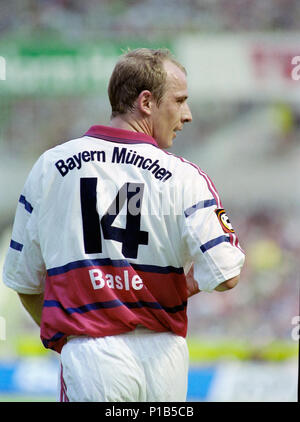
point(131, 236)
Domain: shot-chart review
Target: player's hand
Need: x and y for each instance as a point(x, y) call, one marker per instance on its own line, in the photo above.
point(191, 283)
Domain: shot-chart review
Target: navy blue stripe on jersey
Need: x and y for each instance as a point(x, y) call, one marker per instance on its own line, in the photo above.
point(214, 242)
point(28, 206)
point(201, 204)
point(53, 303)
point(87, 263)
point(16, 245)
point(155, 305)
point(84, 308)
point(114, 304)
point(56, 337)
point(114, 263)
point(156, 269)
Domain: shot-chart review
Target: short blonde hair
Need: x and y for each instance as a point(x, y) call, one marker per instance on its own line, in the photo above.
point(138, 70)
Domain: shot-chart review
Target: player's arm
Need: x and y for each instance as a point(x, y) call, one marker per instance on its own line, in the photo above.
point(191, 283)
point(193, 288)
point(33, 305)
point(228, 284)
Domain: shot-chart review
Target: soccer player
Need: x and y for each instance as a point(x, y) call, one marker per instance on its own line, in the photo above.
point(104, 228)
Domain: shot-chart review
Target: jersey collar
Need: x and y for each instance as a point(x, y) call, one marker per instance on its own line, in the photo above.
point(120, 135)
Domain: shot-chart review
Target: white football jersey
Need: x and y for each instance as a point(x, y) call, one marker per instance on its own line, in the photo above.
point(105, 226)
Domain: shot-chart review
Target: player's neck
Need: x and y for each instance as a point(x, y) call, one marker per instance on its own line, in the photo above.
point(126, 123)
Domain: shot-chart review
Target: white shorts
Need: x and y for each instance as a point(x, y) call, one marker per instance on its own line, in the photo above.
point(139, 366)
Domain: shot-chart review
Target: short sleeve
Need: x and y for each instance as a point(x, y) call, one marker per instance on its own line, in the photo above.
point(24, 269)
point(210, 240)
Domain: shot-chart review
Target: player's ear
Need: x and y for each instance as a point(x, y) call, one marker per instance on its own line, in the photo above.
point(145, 102)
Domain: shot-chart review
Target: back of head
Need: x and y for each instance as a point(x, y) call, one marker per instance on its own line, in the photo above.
point(136, 71)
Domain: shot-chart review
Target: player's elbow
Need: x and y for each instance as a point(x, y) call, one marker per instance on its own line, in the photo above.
point(232, 282)
point(228, 284)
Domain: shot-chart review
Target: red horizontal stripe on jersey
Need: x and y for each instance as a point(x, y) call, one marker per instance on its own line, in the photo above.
point(74, 307)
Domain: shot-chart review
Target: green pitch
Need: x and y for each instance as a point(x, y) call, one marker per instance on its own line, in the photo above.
point(25, 398)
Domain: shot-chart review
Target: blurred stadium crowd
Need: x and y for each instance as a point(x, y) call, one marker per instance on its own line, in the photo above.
point(261, 307)
point(113, 18)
